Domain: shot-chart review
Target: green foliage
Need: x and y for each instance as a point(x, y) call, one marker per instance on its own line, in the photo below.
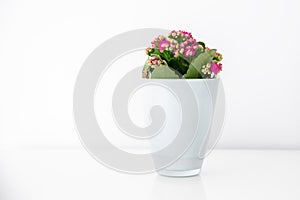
point(188, 67)
point(194, 70)
point(202, 44)
point(179, 64)
point(181, 67)
point(164, 72)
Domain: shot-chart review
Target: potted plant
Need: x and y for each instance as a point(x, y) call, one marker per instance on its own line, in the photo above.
point(180, 61)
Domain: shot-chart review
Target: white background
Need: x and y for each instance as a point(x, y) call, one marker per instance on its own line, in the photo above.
point(44, 43)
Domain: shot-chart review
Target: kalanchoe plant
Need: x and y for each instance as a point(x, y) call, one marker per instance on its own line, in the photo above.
point(180, 56)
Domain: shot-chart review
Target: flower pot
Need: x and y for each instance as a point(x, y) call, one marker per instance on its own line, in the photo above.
point(197, 98)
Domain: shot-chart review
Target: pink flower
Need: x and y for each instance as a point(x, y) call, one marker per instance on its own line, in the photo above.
point(216, 68)
point(176, 54)
point(188, 52)
point(163, 44)
point(157, 40)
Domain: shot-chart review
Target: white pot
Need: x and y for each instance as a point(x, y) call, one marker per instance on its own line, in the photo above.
point(195, 118)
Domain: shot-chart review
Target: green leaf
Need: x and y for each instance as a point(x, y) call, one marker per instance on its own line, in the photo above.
point(164, 72)
point(179, 65)
point(202, 44)
point(194, 70)
point(212, 52)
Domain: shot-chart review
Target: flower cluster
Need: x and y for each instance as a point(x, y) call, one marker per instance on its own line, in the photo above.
point(211, 69)
point(178, 51)
point(216, 68)
point(180, 36)
point(155, 42)
point(168, 45)
point(180, 43)
point(188, 45)
point(152, 64)
point(218, 57)
point(164, 44)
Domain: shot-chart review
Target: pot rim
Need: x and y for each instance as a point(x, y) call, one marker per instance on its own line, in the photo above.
point(188, 80)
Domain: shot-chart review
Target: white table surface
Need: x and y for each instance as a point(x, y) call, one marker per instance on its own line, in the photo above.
point(63, 173)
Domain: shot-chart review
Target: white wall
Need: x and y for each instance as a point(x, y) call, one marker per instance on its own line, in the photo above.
point(44, 43)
